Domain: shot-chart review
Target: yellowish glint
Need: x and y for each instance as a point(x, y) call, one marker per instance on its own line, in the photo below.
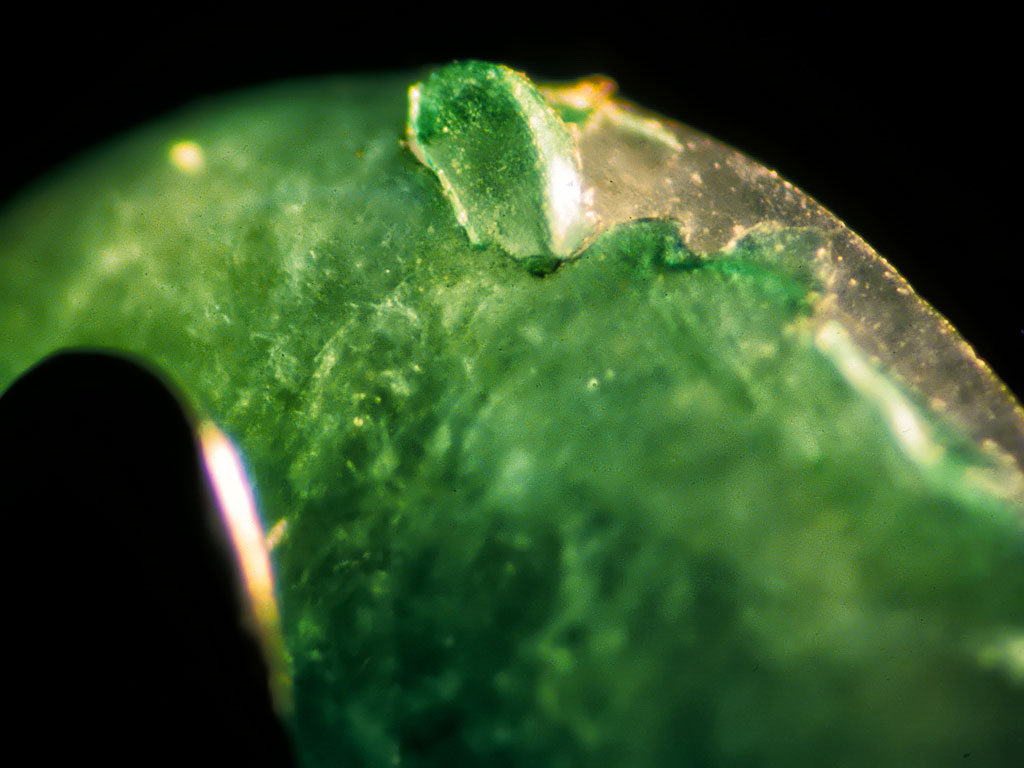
point(187, 156)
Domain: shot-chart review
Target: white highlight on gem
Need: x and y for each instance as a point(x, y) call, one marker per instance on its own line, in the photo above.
point(629, 119)
point(909, 431)
point(187, 156)
point(238, 511)
point(565, 198)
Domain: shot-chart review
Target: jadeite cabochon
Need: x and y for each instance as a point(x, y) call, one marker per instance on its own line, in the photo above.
point(584, 440)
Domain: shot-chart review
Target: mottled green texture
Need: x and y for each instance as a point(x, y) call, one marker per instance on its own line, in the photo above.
point(627, 514)
point(506, 161)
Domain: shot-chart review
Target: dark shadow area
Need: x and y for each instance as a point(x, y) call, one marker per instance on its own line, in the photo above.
point(122, 609)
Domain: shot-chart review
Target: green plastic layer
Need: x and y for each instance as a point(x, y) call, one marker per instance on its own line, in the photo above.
point(506, 161)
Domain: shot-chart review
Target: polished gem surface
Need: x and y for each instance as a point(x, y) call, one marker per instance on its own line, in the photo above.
point(506, 161)
point(656, 507)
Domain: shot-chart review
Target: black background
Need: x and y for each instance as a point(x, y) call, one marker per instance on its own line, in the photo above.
point(904, 126)
point(121, 613)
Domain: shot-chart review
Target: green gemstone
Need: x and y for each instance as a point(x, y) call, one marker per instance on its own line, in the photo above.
point(656, 507)
point(506, 161)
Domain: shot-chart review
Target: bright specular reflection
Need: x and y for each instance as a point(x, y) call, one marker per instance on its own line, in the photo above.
point(238, 511)
point(187, 156)
point(565, 195)
point(907, 428)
